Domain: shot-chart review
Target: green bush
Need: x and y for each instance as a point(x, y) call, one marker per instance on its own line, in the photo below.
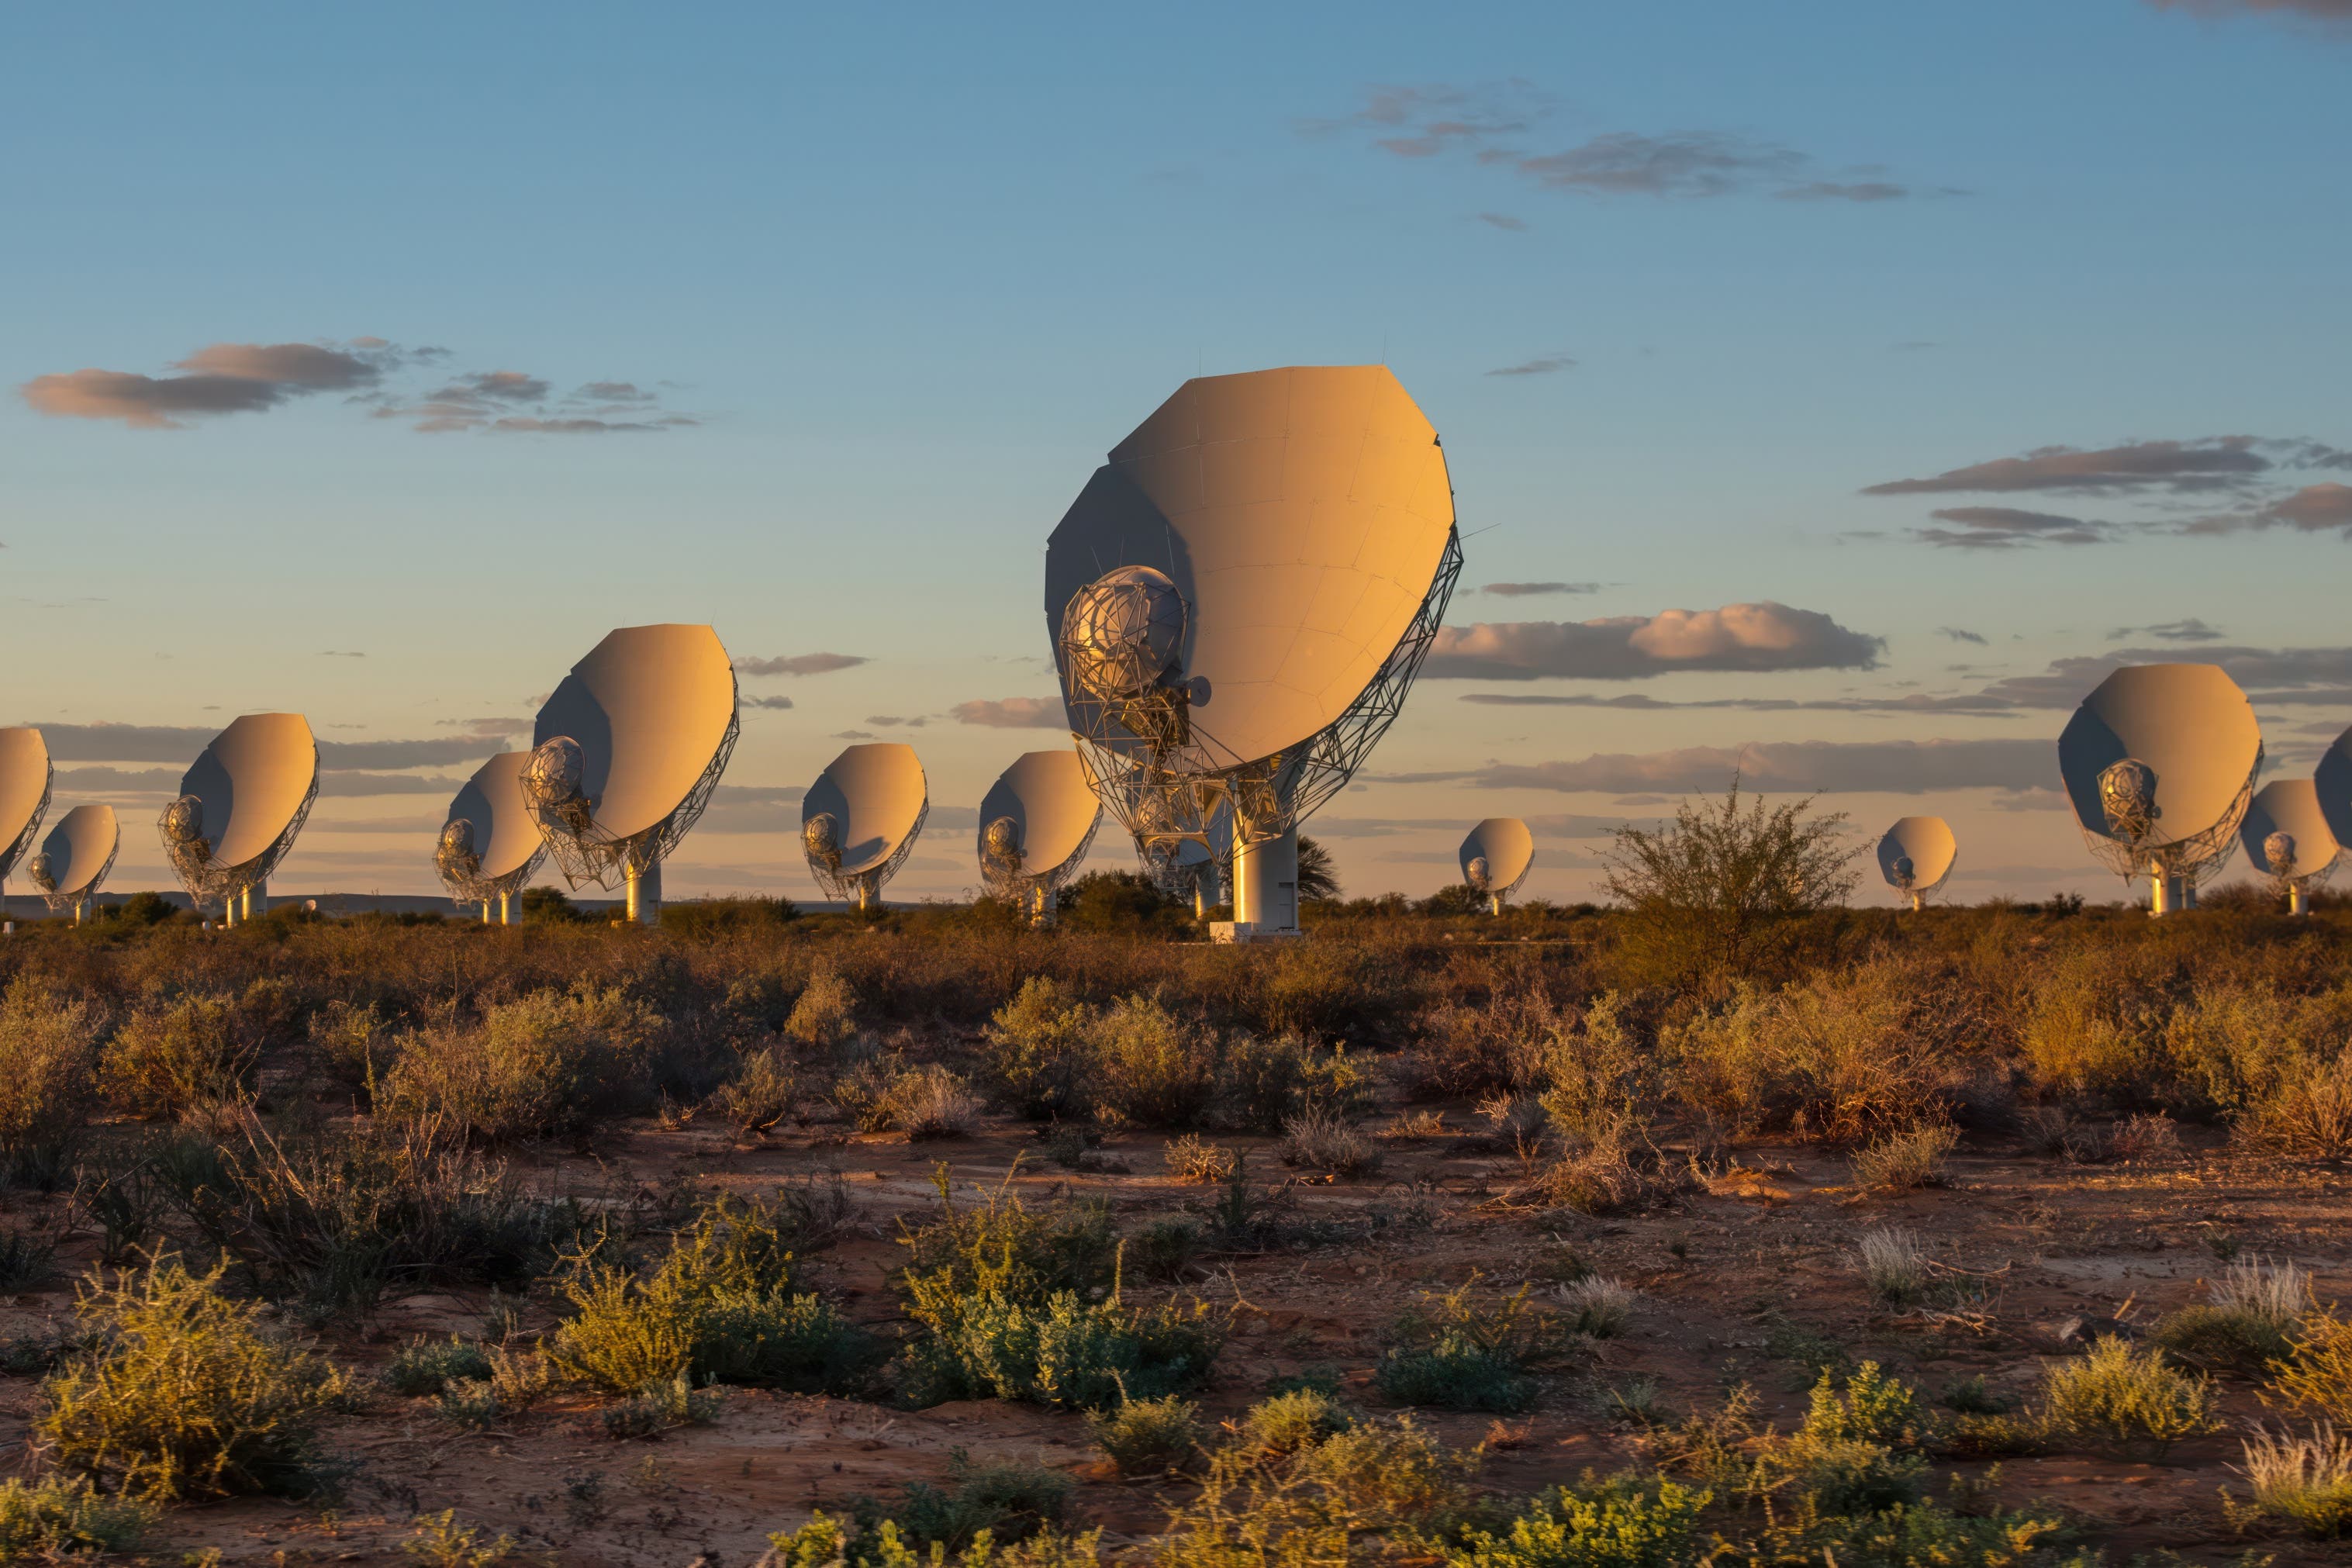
point(1148, 1436)
point(1469, 1355)
point(48, 1056)
point(426, 1366)
point(182, 1055)
point(1029, 1253)
point(1625, 1522)
point(1149, 1068)
point(825, 1014)
point(546, 1064)
point(60, 1516)
point(720, 1309)
point(184, 1393)
point(1010, 1502)
point(1333, 1502)
point(2118, 1401)
point(661, 1405)
point(1061, 1350)
point(1288, 1422)
point(1037, 1052)
point(825, 1543)
point(1270, 1080)
point(2316, 1374)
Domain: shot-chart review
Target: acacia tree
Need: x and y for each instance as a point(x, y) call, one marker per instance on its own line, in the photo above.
point(1712, 894)
point(1319, 879)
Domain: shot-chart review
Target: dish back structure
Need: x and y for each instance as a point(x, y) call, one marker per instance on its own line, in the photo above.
point(490, 843)
point(1915, 857)
point(2289, 840)
point(859, 821)
point(1036, 823)
point(75, 858)
point(2158, 763)
point(625, 754)
point(26, 775)
point(241, 804)
point(2332, 780)
point(1496, 857)
point(1239, 601)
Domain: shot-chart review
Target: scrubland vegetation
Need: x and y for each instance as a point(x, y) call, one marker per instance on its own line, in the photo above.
point(1758, 1231)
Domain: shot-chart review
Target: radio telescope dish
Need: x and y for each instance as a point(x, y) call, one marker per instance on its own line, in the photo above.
point(1239, 599)
point(1036, 823)
point(1496, 859)
point(241, 804)
point(2159, 764)
point(2290, 840)
point(491, 844)
point(625, 754)
point(859, 821)
point(1917, 856)
point(2332, 780)
point(26, 774)
point(75, 858)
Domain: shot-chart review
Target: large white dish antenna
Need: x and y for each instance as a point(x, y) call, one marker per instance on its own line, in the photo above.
point(2289, 839)
point(859, 821)
point(25, 773)
point(1915, 856)
point(489, 843)
point(1242, 595)
point(1036, 823)
point(2332, 780)
point(1496, 856)
point(626, 751)
point(241, 804)
point(75, 858)
point(2158, 763)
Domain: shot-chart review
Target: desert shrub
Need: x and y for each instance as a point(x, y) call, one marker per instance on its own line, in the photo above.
point(1598, 1307)
point(2316, 1374)
point(2230, 1044)
point(1466, 1354)
point(763, 1091)
point(825, 1013)
point(1037, 1050)
point(1895, 1265)
point(721, 1308)
point(1192, 1159)
point(439, 1540)
point(2124, 1402)
point(470, 1404)
point(1161, 1248)
point(545, 1064)
point(1150, 1069)
point(47, 1056)
point(351, 1046)
point(58, 1517)
point(334, 1219)
point(178, 1057)
point(26, 1257)
point(1467, 1051)
point(2146, 1138)
point(824, 1541)
point(1030, 1253)
point(2305, 1114)
point(1008, 1501)
point(1148, 1436)
point(184, 1393)
point(1269, 1081)
point(1326, 1503)
point(1593, 1073)
point(1322, 1139)
point(1914, 1535)
point(1839, 1056)
point(662, 1404)
point(1624, 1521)
point(1607, 1168)
point(2247, 1320)
point(426, 1366)
point(2305, 1480)
point(1060, 1351)
point(928, 1101)
point(1901, 1161)
point(1286, 1422)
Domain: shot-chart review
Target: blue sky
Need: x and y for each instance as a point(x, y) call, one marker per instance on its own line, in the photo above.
point(902, 278)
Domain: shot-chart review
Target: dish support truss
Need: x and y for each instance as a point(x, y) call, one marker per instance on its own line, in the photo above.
point(1007, 877)
point(2182, 864)
point(209, 882)
point(585, 853)
point(1162, 808)
point(59, 902)
point(462, 875)
point(1495, 895)
point(14, 853)
point(2290, 881)
point(1917, 893)
point(863, 889)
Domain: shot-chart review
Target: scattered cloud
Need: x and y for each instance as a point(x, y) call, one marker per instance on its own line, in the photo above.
point(1639, 702)
point(1505, 221)
point(2315, 509)
point(340, 653)
point(778, 703)
point(394, 755)
point(751, 808)
point(1766, 635)
point(1531, 590)
point(892, 721)
point(1543, 365)
point(1012, 714)
point(1890, 767)
point(488, 726)
point(2326, 13)
point(1495, 124)
point(2190, 630)
point(223, 378)
point(1962, 633)
point(344, 782)
point(2210, 463)
point(2007, 528)
point(800, 664)
point(853, 734)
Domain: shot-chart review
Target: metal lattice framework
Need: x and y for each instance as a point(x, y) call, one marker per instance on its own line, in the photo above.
point(210, 882)
point(2286, 871)
point(577, 842)
point(59, 900)
point(2128, 797)
point(1480, 881)
point(1004, 870)
point(1128, 747)
point(820, 840)
point(460, 866)
point(1905, 878)
point(24, 841)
